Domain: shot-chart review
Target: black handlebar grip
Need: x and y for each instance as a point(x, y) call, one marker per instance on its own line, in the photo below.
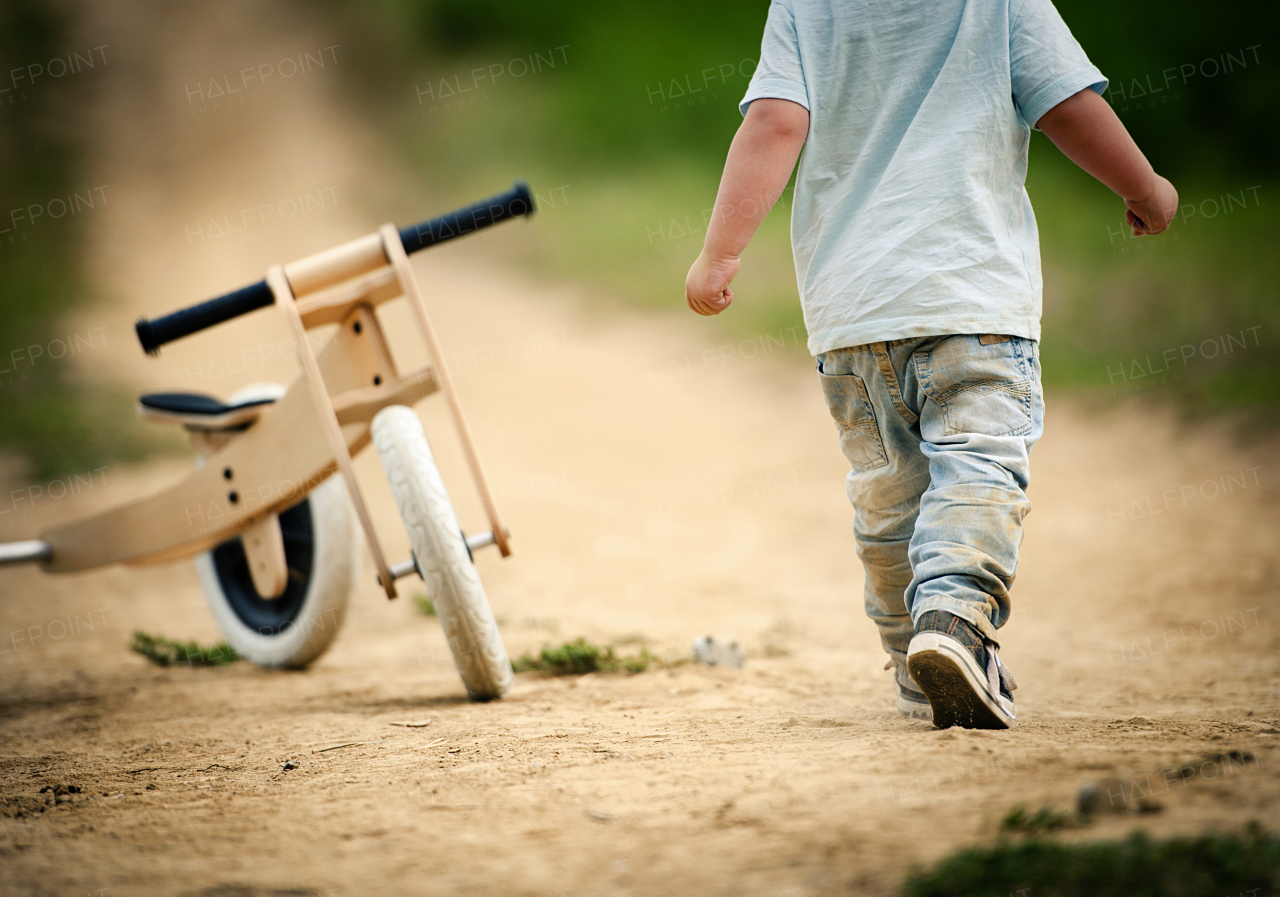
point(154, 334)
point(515, 202)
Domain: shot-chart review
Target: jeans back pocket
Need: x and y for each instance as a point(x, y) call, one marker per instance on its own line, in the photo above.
point(982, 386)
point(855, 418)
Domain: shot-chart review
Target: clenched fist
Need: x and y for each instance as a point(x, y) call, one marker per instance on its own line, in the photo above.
point(1153, 214)
point(706, 289)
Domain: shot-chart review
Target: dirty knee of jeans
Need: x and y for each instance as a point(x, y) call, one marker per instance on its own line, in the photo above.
point(884, 590)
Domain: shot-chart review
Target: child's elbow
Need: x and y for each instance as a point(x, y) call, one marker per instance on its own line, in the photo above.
point(779, 119)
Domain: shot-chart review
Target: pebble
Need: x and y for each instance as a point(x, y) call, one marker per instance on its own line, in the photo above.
point(1114, 795)
point(718, 654)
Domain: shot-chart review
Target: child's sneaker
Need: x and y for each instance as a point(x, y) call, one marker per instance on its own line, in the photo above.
point(960, 673)
point(911, 700)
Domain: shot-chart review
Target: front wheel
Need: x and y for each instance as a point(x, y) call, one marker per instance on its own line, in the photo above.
point(441, 554)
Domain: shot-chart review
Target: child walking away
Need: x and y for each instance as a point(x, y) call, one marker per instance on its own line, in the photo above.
point(918, 265)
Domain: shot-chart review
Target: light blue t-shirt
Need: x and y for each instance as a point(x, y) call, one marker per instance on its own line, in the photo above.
point(910, 217)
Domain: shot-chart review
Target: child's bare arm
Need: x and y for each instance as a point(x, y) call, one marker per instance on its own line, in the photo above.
point(1086, 129)
point(763, 153)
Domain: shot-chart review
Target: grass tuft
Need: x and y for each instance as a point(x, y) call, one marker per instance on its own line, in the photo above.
point(166, 652)
point(425, 605)
point(570, 659)
point(1206, 864)
point(579, 657)
point(1020, 820)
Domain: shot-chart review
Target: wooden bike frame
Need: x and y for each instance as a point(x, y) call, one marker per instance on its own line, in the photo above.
point(323, 419)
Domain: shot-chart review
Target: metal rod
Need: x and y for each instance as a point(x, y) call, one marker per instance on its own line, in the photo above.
point(480, 540)
point(475, 542)
point(24, 552)
point(404, 568)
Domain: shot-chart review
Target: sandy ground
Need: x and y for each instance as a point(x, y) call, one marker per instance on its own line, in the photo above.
point(661, 483)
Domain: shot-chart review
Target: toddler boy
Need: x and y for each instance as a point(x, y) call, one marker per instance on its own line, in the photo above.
point(918, 265)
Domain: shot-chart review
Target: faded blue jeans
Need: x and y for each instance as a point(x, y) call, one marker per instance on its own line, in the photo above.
point(938, 431)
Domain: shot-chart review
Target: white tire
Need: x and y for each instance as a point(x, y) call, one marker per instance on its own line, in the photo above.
point(441, 554)
point(322, 551)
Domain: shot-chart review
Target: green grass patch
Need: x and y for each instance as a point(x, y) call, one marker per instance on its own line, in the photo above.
point(425, 605)
point(1212, 864)
point(579, 657)
point(166, 652)
point(1020, 820)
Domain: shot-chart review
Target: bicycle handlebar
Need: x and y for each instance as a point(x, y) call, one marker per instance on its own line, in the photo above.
point(516, 202)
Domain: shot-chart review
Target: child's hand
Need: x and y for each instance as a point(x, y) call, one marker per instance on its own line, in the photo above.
point(1153, 214)
point(706, 289)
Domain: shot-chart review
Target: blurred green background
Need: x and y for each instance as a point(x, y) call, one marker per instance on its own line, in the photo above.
point(53, 422)
point(640, 164)
point(593, 104)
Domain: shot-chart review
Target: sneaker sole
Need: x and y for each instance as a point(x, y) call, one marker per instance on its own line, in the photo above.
point(949, 677)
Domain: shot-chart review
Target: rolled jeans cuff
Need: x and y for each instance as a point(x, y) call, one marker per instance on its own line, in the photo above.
point(965, 610)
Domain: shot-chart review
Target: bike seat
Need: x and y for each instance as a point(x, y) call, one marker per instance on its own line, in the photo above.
point(197, 411)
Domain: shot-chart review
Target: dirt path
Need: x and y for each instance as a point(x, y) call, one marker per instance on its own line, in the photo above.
point(660, 484)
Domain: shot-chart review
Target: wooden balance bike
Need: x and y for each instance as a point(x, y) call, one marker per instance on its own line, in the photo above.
point(273, 533)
